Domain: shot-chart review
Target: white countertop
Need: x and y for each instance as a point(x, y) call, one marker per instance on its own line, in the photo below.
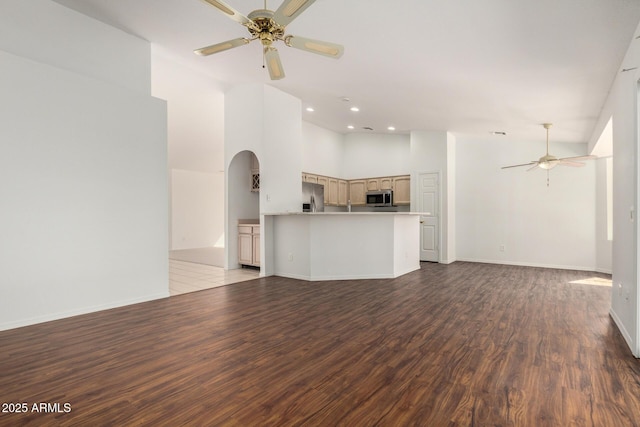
point(341, 213)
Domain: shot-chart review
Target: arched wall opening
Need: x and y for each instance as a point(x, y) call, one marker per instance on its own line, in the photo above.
point(243, 201)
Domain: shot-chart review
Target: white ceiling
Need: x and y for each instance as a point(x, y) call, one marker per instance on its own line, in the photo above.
point(469, 67)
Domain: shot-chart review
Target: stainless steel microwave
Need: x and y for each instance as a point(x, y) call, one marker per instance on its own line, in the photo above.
point(380, 198)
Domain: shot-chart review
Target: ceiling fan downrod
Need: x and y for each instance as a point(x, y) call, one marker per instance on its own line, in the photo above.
point(547, 126)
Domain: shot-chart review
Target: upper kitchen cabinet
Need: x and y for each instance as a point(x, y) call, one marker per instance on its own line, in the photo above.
point(255, 174)
point(386, 183)
point(401, 190)
point(308, 177)
point(343, 192)
point(338, 192)
point(335, 189)
point(373, 184)
point(358, 191)
point(332, 190)
point(324, 181)
point(378, 184)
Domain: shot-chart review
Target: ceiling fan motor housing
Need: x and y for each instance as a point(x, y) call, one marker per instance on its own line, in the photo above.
point(265, 28)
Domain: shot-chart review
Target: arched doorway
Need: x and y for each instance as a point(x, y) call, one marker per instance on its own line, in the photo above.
point(242, 202)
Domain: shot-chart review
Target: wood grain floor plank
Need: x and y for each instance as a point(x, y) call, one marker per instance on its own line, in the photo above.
point(448, 345)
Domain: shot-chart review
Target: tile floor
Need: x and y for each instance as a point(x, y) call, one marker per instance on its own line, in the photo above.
point(187, 277)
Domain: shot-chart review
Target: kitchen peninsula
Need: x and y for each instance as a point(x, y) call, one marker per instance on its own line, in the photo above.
point(345, 245)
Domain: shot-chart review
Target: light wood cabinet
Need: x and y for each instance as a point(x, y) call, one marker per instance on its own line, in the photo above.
point(373, 184)
point(249, 244)
point(323, 180)
point(255, 174)
point(332, 199)
point(307, 177)
point(357, 192)
point(343, 192)
point(402, 190)
point(385, 183)
point(338, 192)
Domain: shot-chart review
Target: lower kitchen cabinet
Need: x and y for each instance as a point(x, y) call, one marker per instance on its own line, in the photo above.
point(249, 244)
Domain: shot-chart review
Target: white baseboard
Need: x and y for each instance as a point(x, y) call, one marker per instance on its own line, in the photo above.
point(344, 277)
point(84, 310)
point(623, 331)
point(529, 264)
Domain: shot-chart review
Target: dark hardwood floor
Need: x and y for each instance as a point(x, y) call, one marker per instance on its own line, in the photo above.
point(449, 345)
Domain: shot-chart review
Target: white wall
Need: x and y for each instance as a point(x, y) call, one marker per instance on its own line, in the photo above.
point(451, 249)
point(538, 225)
point(195, 114)
point(435, 151)
point(53, 34)
point(368, 155)
point(603, 244)
point(622, 107)
point(267, 122)
point(197, 209)
point(281, 161)
point(322, 151)
point(83, 167)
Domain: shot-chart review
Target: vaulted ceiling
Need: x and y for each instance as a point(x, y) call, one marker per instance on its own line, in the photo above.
point(469, 67)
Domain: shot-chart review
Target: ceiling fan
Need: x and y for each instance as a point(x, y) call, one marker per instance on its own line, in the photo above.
point(269, 26)
point(548, 161)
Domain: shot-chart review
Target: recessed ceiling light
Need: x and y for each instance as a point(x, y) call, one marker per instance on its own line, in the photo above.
point(345, 99)
point(391, 128)
point(499, 132)
point(350, 127)
point(354, 109)
point(310, 109)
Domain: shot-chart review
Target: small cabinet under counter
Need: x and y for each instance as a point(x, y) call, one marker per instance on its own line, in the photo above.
point(249, 243)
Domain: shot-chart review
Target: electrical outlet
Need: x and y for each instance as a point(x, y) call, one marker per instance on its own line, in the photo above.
point(290, 256)
point(501, 248)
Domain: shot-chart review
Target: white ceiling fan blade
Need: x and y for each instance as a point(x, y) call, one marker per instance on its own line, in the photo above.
point(272, 58)
point(535, 163)
point(230, 12)
point(219, 47)
point(565, 162)
point(331, 50)
point(579, 158)
point(289, 10)
point(535, 166)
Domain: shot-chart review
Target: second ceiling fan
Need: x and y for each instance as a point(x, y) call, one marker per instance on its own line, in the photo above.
point(269, 26)
point(549, 161)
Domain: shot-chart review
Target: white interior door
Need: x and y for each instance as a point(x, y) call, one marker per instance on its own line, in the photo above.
point(428, 204)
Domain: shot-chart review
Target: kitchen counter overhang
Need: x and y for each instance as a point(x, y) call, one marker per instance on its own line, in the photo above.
point(344, 245)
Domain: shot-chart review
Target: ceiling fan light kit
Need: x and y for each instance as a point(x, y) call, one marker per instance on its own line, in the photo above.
point(268, 27)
